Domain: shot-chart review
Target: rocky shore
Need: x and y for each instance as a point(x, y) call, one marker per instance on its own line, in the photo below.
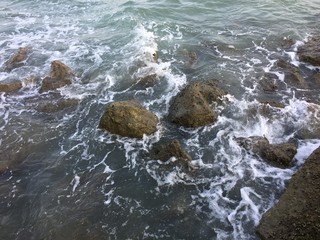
point(198, 104)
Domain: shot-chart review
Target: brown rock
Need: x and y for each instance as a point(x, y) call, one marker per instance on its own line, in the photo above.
point(292, 74)
point(145, 82)
point(191, 107)
point(297, 214)
point(59, 76)
point(165, 150)
point(310, 51)
point(17, 59)
point(269, 82)
point(129, 119)
point(10, 85)
point(279, 155)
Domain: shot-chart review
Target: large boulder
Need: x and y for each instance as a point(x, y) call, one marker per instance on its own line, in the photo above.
point(128, 119)
point(297, 214)
point(60, 76)
point(310, 51)
point(192, 106)
point(10, 85)
point(17, 59)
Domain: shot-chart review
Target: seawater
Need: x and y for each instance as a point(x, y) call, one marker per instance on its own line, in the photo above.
point(70, 180)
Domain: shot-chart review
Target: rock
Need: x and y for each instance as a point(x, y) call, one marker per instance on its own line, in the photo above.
point(10, 85)
point(55, 106)
point(128, 119)
point(146, 82)
point(292, 74)
point(191, 107)
point(60, 76)
point(279, 155)
point(297, 214)
point(316, 79)
point(165, 150)
point(253, 143)
point(310, 51)
point(269, 82)
point(17, 59)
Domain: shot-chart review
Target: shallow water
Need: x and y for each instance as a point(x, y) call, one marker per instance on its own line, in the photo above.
point(69, 180)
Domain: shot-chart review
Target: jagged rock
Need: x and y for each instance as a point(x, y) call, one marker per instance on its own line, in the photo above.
point(145, 82)
point(17, 59)
point(310, 51)
point(191, 107)
point(253, 143)
point(10, 85)
point(165, 150)
point(292, 74)
point(269, 82)
point(279, 155)
point(60, 75)
point(297, 214)
point(129, 119)
point(55, 106)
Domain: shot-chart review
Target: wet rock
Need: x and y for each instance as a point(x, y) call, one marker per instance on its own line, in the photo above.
point(297, 214)
point(10, 85)
point(165, 150)
point(191, 107)
point(279, 155)
point(17, 59)
point(128, 119)
point(272, 103)
point(253, 143)
point(292, 74)
point(55, 106)
point(316, 79)
point(310, 51)
point(269, 82)
point(60, 76)
point(146, 82)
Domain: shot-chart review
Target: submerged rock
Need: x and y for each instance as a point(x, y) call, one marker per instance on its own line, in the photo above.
point(146, 82)
point(297, 214)
point(60, 76)
point(165, 150)
point(279, 155)
point(269, 82)
point(17, 59)
point(10, 85)
point(292, 74)
point(55, 106)
point(310, 51)
point(191, 107)
point(128, 119)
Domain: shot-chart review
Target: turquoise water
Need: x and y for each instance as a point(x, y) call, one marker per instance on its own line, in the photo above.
point(69, 180)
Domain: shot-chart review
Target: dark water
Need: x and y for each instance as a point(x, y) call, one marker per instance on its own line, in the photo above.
point(68, 180)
